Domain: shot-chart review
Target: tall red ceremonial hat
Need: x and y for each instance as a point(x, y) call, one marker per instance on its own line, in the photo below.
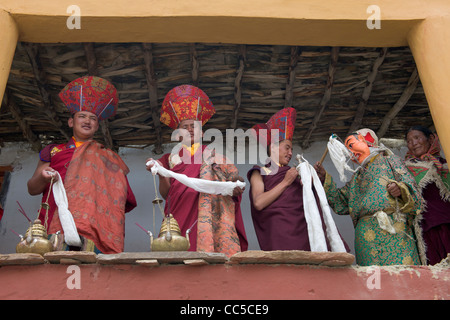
point(93, 94)
point(186, 102)
point(283, 120)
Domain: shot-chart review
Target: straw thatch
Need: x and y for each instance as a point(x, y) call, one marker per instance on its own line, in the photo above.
point(334, 90)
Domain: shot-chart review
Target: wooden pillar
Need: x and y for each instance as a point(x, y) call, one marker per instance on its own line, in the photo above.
point(430, 44)
point(8, 40)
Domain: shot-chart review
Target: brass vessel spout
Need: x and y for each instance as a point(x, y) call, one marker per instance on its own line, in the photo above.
point(35, 240)
point(170, 238)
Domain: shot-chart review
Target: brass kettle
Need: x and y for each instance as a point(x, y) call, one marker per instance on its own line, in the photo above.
point(170, 238)
point(35, 240)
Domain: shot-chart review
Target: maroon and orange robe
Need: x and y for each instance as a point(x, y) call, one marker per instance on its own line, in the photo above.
point(97, 190)
point(215, 221)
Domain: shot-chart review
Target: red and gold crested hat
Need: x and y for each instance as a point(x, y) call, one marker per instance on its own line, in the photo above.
point(283, 120)
point(93, 94)
point(186, 102)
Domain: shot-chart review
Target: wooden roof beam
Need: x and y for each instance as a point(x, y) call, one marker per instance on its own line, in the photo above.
point(153, 94)
point(334, 54)
point(359, 115)
point(401, 102)
point(39, 76)
point(93, 71)
point(17, 114)
point(289, 95)
point(238, 85)
point(195, 63)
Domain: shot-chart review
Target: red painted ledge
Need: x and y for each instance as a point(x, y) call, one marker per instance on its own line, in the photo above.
point(244, 280)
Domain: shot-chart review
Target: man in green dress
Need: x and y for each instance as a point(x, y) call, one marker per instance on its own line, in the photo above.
point(381, 198)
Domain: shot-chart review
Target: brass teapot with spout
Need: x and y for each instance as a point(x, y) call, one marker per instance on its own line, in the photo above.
point(170, 238)
point(36, 237)
point(35, 240)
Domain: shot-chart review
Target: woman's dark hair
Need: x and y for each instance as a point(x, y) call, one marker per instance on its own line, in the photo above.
point(427, 132)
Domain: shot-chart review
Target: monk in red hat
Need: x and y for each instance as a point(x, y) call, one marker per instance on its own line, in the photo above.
point(276, 194)
point(94, 178)
point(215, 221)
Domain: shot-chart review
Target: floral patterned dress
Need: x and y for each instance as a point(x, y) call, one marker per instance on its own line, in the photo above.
point(383, 224)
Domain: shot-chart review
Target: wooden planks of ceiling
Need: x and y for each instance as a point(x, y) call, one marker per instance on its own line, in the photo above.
point(333, 89)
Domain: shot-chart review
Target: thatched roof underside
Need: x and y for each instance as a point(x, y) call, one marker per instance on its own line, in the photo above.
point(334, 90)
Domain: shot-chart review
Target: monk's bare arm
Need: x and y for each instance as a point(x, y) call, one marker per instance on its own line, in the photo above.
point(40, 179)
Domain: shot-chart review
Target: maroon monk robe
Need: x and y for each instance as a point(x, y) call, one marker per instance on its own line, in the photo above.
point(182, 201)
point(435, 224)
point(282, 224)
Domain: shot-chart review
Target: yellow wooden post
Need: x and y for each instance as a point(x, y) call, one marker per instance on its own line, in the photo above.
point(8, 40)
point(430, 45)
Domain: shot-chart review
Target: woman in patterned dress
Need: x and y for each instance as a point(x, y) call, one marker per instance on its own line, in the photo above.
point(430, 171)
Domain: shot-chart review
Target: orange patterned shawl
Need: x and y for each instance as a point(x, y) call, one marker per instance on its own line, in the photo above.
point(216, 214)
point(96, 188)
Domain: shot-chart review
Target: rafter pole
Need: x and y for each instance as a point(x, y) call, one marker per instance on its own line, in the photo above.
point(334, 54)
point(153, 94)
point(359, 115)
point(17, 114)
point(401, 102)
point(238, 84)
point(93, 71)
point(90, 58)
point(195, 63)
point(289, 95)
point(39, 76)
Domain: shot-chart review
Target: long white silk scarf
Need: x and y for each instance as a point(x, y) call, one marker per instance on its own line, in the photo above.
point(316, 234)
point(200, 185)
point(71, 236)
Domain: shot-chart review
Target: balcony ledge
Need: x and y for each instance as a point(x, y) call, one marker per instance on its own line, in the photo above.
point(251, 275)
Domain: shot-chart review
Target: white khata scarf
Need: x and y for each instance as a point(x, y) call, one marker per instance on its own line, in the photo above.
point(340, 156)
point(205, 186)
point(315, 231)
point(71, 236)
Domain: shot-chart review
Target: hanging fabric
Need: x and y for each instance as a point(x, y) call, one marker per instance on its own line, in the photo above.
point(71, 236)
point(205, 186)
point(340, 156)
point(316, 234)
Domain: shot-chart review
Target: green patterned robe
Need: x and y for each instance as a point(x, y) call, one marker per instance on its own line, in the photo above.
point(364, 196)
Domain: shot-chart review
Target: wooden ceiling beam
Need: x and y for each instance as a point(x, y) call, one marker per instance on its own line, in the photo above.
point(153, 94)
point(17, 114)
point(194, 63)
point(334, 54)
point(238, 85)
point(90, 58)
point(401, 102)
point(32, 51)
point(289, 93)
point(93, 71)
point(359, 115)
